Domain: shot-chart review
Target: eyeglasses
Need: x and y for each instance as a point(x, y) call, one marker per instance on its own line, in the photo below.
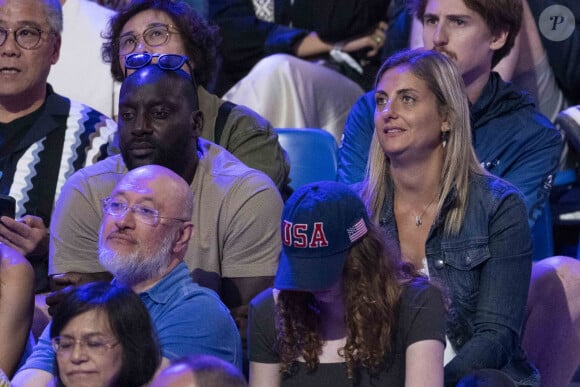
point(154, 36)
point(27, 37)
point(164, 61)
point(97, 345)
point(143, 214)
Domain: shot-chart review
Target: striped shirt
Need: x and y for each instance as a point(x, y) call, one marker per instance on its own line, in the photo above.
point(38, 152)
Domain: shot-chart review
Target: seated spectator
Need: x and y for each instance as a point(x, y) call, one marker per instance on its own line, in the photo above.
point(200, 371)
point(159, 123)
point(142, 241)
point(511, 139)
point(545, 60)
point(16, 307)
point(465, 227)
point(546, 55)
point(103, 336)
point(80, 61)
point(168, 27)
point(45, 137)
point(311, 57)
point(252, 30)
point(345, 311)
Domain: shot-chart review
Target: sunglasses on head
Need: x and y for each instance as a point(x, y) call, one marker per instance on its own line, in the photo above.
point(171, 62)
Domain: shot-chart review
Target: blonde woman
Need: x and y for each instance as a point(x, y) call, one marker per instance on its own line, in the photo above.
point(464, 227)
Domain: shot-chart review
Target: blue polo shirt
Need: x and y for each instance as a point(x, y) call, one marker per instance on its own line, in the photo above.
point(189, 320)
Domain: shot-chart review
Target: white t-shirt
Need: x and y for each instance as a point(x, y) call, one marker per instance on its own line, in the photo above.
point(80, 74)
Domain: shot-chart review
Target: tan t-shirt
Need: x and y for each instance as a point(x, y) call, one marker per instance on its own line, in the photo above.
point(248, 136)
point(236, 217)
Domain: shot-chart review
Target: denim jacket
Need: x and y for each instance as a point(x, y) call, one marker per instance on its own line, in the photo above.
point(485, 269)
point(511, 139)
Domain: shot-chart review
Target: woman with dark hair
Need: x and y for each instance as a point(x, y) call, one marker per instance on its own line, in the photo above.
point(466, 228)
point(345, 310)
point(173, 27)
point(193, 35)
point(103, 336)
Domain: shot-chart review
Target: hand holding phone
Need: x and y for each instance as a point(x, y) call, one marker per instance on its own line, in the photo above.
point(28, 235)
point(7, 206)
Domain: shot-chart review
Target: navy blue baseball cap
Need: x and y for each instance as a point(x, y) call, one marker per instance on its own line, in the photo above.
point(320, 222)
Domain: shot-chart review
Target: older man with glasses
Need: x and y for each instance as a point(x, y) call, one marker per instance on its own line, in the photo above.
point(235, 247)
point(143, 240)
point(44, 137)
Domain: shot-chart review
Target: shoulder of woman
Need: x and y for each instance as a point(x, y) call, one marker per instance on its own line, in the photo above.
point(419, 289)
point(494, 184)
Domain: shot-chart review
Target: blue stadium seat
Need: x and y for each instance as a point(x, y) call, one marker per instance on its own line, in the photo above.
point(313, 154)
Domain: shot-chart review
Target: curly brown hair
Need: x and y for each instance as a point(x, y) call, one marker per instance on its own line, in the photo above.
point(199, 37)
point(373, 277)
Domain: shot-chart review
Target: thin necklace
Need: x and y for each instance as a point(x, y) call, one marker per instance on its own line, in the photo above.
point(419, 218)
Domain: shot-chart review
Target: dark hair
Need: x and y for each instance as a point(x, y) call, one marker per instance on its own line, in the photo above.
point(373, 278)
point(210, 371)
point(499, 15)
point(129, 321)
point(199, 37)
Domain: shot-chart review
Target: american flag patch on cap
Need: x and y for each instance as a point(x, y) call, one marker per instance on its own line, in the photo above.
point(358, 230)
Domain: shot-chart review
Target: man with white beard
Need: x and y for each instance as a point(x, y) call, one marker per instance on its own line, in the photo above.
point(130, 245)
point(142, 241)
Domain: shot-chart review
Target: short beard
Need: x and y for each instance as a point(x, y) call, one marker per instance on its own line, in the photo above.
point(139, 265)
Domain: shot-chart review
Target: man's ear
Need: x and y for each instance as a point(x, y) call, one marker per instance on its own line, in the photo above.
point(196, 123)
point(498, 40)
point(183, 238)
point(55, 54)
